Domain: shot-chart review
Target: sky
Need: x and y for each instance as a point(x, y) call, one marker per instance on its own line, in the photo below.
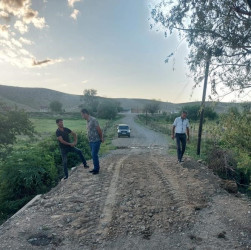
point(107, 45)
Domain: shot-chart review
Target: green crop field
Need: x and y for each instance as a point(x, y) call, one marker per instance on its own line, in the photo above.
point(47, 126)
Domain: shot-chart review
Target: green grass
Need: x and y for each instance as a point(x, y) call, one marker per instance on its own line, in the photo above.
point(47, 125)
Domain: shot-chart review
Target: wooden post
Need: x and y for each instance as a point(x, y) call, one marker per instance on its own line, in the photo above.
point(203, 101)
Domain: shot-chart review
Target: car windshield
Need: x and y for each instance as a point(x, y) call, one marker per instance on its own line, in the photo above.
point(123, 127)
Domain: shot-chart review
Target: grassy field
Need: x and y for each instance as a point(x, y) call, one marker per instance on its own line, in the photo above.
point(46, 127)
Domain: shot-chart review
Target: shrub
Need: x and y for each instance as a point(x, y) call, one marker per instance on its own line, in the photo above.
point(23, 174)
point(51, 147)
point(222, 163)
point(107, 109)
point(234, 135)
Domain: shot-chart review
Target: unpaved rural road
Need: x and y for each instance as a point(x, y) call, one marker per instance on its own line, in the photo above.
point(142, 199)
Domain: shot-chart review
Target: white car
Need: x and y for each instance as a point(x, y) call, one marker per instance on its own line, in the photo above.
point(123, 130)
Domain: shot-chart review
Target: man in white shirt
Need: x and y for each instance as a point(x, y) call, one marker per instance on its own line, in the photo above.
point(181, 132)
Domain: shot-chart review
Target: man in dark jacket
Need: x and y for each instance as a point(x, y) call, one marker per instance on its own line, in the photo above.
point(66, 146)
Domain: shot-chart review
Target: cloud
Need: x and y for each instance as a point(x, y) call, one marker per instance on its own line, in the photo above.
point(72, 2)
point(14, 6)
point(39, 22)
point(4, 15)
point(31, 16)
point(25, 41)
point(21, 27)
point(24, 52)
point(12, 50)
point(74, 14)
point(16, 43)
point(22, 11)
point(85, 81)
point(4, 31)
point(9, 56)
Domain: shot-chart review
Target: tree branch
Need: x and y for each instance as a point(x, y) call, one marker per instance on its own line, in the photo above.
point(249, 3)
point(242, 12)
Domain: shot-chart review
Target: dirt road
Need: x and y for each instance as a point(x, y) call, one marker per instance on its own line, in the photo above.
point(142, 199)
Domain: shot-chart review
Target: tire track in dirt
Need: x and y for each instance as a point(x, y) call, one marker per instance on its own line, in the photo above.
point(144, 201)
point(189, 190)
point(164, 170)
point(106, 215)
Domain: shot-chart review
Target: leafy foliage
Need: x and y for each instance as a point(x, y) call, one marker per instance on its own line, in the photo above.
point(90, 99)
point(12, 124)
point(56, 106)
point(237, 132)
point(51, 147)
point(108, 109)
point(222, 162)
point(23, 174)
point(194, 112)
point(234, 135)
point(32, 170)
point(152, 107)
point(220, 29)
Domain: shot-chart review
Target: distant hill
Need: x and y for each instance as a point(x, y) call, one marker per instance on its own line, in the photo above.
point(38, 99)
point(34, 99)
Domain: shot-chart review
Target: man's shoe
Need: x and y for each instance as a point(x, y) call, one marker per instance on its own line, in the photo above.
point(86, 166)
point(95, 172)
point(91, 171)
point(65, 178)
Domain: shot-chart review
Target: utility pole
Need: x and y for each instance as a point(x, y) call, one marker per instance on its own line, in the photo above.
point(209, 54)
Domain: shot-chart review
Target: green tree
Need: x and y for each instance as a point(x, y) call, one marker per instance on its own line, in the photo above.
point(246, 106)
point(90, 99)
point(210, 113)
point(56, 106)
point(194, 112)
point(220, 27)
point(13, 123)
point(107, 109)
point(152, 107)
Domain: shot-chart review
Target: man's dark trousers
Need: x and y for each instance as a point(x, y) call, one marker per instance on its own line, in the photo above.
point(181, 139)
point(65, 151)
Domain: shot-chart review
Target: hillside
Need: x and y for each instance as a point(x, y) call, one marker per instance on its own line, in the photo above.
point(33, 99)
point(36, 99)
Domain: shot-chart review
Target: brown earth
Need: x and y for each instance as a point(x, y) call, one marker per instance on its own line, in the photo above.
point(142, 199)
